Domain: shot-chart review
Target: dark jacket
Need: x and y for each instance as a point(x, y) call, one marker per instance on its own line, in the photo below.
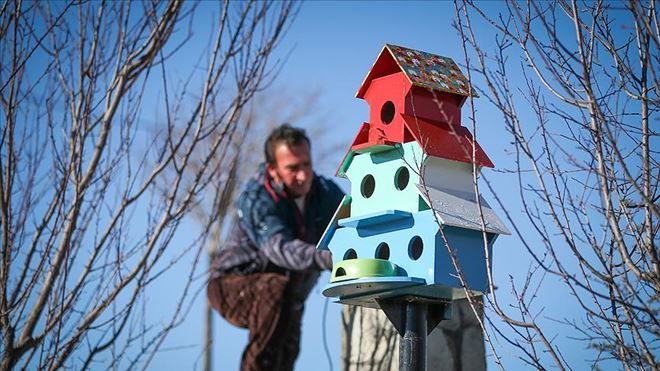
point(269, 234)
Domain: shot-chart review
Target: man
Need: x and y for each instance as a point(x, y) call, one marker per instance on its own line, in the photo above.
point(267, 268)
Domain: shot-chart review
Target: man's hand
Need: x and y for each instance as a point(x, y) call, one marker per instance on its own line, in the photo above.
point(323, 259)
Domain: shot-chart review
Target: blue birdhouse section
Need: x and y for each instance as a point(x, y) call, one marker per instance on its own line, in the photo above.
point(415, 245)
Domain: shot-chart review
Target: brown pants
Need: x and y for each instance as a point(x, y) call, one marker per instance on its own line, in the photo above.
point(259, 302)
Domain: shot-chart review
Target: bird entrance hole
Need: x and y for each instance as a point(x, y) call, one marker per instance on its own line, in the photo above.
point(401, 178)
point(415, 248)
point(383, 251)
point(350, 254)
point(368, 186)
point(387, 112)
point(340, 272)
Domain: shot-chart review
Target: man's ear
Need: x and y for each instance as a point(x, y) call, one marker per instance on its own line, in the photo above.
point(273, 173)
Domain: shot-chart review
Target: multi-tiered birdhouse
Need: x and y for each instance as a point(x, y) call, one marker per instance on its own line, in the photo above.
point(412, 206)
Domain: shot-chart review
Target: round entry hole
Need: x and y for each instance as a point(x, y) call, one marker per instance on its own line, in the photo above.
point(401, 178)
point(350, 254)
point(415, 248)
point(387, 112)
point(368, 186)
point(383, 251)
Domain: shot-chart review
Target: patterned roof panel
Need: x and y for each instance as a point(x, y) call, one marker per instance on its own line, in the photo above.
point(430, 70)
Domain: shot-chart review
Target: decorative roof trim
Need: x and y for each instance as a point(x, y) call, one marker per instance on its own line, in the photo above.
point(444, 77)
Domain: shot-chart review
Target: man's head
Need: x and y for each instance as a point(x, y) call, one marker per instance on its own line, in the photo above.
point(288, 159)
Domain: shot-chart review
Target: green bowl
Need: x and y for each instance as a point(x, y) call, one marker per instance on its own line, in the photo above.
point(363, 268)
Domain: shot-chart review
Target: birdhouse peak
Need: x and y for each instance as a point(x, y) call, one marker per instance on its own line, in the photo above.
point(421, 68)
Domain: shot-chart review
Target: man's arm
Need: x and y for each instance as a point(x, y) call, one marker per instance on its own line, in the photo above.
point(276, 240)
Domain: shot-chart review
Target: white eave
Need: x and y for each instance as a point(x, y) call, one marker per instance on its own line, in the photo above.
point(343, 211)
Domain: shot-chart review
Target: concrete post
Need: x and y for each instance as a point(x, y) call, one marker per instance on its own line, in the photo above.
point(371, 343)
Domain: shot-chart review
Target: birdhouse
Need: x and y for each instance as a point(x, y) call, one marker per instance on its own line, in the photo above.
point(412, 208)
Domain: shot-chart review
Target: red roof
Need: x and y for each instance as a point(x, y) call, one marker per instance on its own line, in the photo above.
point(446, 141)
point(436, 139)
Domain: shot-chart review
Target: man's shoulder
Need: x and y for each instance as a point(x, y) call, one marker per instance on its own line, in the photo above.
point(327, 185)
point(329, 194)
point(253, 186)
point(254, 193)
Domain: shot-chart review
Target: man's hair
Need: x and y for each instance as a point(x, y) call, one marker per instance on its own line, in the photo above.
point(287, 134)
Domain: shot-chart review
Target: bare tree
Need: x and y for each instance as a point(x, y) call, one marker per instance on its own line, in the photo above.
point(576, 86)
point(93, 197)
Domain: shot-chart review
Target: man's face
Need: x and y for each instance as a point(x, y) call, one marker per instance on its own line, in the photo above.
point(293, 168)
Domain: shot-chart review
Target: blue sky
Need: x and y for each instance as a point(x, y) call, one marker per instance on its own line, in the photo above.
point(330, 48)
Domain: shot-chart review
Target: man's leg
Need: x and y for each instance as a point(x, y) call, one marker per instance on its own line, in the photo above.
point(286, 339)
point(284, 346)
point(230, 297)
point(264, 319)
point(253, 302)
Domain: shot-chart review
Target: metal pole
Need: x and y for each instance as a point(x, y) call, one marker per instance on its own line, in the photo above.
point(412, 347)
point(208, 337)
point(208, 323)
